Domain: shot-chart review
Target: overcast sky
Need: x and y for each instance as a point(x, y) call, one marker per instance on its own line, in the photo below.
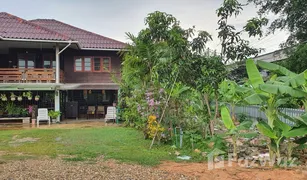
point(112, 18)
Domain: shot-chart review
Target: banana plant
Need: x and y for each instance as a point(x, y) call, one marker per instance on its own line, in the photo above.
point(234, 131)
point(228, 93)
point(270, 95)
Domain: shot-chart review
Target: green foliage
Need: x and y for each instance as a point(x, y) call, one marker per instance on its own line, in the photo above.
point(272, 94)
point(296, 61)
point(291, 16)
point(227, 118)
point(234, 48)
point(54, 114)
point(10, 108)
point(234, 131)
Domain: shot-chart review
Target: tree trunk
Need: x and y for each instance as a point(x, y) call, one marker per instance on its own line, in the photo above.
point(211, 123)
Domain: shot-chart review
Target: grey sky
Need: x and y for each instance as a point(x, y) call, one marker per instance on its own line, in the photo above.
point(112, 18)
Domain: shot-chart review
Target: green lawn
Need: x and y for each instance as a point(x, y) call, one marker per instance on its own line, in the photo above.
point(124, 144)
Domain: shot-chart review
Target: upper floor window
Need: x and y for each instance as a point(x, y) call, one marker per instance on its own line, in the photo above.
point(49, 61)
point(92, 64)
point(26, 61)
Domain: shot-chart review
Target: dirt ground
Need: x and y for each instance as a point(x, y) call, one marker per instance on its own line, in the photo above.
point(34, 169)
point(108, 169)
point(235, 172)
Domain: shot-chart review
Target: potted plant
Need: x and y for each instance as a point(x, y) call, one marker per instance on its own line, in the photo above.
point(24, 112)
point(17, 111)
point(54, 115)
point(28, 95)
point(10, 108)
point(19, 98)
point(37, 97)
point(3, 97)
point(13, 96)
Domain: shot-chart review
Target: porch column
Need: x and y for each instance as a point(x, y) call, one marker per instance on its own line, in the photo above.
point(57, 63)
point(57, 102)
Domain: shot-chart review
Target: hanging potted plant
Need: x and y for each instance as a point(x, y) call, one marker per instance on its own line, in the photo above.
point(13, 96)
point(28, 95)
point(19, 98)
point(37, 97)
point(3, 97)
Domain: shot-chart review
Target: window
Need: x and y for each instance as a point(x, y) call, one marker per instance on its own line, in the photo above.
point(92, 64)
point(87, 64)
point(78, 64)
point(106, 64)
point(97, 64)
point(49, 61)
point(26, 60)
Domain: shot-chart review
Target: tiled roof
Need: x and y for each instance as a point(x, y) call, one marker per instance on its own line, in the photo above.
point(17, 28)
point(85, 38)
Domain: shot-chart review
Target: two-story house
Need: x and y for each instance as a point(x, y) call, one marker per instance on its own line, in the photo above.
point(59, 62)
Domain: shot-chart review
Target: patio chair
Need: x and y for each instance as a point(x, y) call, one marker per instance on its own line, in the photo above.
point(91, 111)
point(111, 114)
point(42, 115)
point(100, 111)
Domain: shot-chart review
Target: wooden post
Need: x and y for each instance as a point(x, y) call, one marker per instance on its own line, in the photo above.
point(57, 64)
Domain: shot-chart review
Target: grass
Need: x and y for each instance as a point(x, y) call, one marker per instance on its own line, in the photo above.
point(123, 144)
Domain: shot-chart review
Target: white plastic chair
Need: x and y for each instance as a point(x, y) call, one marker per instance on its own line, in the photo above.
point(111, 113)
point(42, 115)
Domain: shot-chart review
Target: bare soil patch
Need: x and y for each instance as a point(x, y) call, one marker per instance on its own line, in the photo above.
point(201, 171)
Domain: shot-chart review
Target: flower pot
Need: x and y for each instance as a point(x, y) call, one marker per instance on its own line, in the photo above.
point(4, 99)
point(13, 99)
point(36, 99)
point(19, 98)
point(29, 98)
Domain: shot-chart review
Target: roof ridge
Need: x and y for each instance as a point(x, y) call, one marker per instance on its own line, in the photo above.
point(35, 25)
point(37, 20)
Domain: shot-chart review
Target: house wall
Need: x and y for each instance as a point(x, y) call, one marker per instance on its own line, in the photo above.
point(89, 77)
point(67, 63)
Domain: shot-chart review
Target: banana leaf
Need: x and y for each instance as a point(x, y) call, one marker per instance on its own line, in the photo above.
point(275, 68)
point(255, 99)
point(226, 118)
point(293, 119)
point(281, 125)
point(266, 130)
point(282, 89)
point(254, 76)
point(297, 80)
point(301, 131)
point(244, 125)
point(302, 118)
point(245, 90)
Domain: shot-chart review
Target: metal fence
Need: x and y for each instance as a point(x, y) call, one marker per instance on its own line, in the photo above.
point(255, 113)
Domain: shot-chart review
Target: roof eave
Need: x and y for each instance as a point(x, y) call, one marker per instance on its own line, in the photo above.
point(40, 40)
point(104, 49)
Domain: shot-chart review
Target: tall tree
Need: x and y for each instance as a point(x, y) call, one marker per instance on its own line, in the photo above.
point(234, 48)
point(292, 16)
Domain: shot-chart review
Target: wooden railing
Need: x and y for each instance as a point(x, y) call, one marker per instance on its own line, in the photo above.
point(35, 75)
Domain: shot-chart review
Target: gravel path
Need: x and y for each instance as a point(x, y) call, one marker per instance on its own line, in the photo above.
point(59, 169)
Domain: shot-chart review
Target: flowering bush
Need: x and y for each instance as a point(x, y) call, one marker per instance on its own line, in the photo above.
point(154, 127)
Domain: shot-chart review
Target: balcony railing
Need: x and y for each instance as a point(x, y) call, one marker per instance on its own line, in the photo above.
point(31, 75)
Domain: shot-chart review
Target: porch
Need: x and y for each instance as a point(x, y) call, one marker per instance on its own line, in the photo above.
point(29, 75)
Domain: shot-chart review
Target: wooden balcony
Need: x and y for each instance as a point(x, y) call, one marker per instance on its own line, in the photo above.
point(33, 75)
